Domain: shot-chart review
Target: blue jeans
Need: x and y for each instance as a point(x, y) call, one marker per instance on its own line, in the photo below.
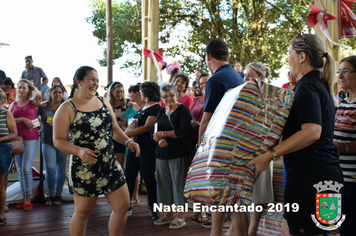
point(24, 163)
point(55, 163)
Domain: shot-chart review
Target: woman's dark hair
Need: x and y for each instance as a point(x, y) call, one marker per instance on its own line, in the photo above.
point(107, 86)
point(72, 91)
point(80, 74)
point(351, 60)
point(60, 82)
point(135, 88)
point(53, 88)
point(173, 73)
point(185, 79)
point(204, 74)
point(151, 91)
point(8, 81)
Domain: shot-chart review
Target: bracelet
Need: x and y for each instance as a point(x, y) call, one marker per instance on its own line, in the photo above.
point(346, 148)
point(165, 134)
point(162, 134)
point(274, 154)
point(128, 141)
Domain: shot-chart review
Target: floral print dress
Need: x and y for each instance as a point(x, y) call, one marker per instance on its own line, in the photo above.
point(94, 130)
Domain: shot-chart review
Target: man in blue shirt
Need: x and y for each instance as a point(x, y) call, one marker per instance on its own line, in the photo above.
point(223, 78)
point(34, 74)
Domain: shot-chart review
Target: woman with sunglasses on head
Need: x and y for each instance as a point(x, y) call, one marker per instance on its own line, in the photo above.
point(55, 81)
point(55, 160)
point(24, 110)
point(116, 97)
point(345, 141)
point(310, 155)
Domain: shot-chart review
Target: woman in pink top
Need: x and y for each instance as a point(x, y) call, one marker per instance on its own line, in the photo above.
point(292, 82)
point(24, 111)
point(181, 83)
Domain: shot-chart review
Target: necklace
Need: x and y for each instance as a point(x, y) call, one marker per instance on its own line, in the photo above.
point(149, 105)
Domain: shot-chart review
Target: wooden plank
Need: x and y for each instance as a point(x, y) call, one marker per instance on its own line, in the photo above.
point(54, 221)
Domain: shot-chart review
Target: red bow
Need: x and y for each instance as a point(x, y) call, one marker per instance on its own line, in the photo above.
point(312, 17)
point(148, 53)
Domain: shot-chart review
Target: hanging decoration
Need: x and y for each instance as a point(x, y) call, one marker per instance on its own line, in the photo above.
point(317, 16)
point(157, 57)
point(172, 66)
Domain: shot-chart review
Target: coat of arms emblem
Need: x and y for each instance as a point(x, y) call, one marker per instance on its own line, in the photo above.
point(328, 205)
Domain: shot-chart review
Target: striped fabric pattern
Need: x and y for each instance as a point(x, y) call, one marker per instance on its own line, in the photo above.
point(249, 120)
point(3, 124)
point(345, 131)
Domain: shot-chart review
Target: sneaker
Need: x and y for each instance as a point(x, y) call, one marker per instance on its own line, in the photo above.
point(154, 215)
point(129, 212)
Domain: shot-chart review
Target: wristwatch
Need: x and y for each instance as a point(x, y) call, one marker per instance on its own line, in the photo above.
point(346, 148)
point(274, 154)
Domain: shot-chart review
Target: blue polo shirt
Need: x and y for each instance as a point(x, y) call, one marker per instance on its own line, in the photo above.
point(224, 78)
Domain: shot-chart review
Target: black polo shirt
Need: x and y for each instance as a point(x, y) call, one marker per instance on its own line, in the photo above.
point(312, 104)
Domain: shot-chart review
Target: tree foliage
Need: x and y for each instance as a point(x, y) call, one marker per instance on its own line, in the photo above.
point(255, 30)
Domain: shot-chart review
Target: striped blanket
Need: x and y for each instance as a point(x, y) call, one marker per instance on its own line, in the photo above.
point(248, 121)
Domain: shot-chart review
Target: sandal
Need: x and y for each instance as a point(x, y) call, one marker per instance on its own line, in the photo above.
point(177, 223)
point(195, 216)
point(27, 206)
point(2, 221)
point(19, 205)
point(207, 225)
point(135, 201)
point(49, 202)
point(202, 219)
point(225, 229)
point(57, 200)
point(163, 220)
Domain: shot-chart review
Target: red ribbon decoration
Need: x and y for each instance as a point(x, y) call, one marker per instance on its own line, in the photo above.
point(148, 53)
point(312, 17)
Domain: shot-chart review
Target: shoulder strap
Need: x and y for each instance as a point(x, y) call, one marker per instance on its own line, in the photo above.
point(73, 106)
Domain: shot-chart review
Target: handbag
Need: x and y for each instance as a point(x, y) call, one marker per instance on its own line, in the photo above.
point(17, 145)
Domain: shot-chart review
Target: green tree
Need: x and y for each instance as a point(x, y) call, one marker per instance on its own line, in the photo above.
point(255, 30)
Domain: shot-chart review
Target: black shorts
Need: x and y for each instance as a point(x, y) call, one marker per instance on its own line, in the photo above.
point(118, 147)
point(299, 189)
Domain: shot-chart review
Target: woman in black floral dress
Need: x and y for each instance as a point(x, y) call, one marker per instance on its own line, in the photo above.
point(93, 169)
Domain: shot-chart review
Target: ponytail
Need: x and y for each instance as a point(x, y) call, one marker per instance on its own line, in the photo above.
point(328, 73)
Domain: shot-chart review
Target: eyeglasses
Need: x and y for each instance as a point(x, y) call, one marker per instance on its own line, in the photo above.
point(345, 71)
point(171, 96)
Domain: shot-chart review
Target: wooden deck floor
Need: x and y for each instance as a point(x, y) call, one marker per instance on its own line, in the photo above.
point(54, 221)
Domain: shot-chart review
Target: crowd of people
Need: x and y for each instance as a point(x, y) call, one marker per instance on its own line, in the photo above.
point(111, 143)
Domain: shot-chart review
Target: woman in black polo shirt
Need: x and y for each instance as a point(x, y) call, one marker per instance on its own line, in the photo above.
point(309, 153)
